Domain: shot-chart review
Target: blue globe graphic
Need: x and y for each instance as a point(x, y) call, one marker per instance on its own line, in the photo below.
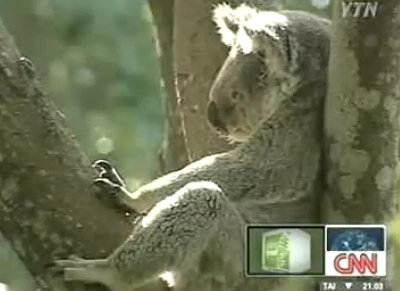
point(354, 240)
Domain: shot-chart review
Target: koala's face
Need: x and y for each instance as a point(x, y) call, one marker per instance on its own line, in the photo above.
point(272, 54)
point(236, 96)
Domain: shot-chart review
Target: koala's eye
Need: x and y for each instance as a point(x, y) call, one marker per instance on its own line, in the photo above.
point(261, 55)
point(262, 76)
point(236, 95)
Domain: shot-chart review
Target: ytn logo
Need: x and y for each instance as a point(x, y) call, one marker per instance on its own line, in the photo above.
point(355, 250)
point(359, 9)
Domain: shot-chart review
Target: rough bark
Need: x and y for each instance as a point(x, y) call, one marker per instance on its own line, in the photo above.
point(362, 118)
point(48, 206)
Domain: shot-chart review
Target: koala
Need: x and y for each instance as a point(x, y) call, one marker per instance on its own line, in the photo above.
point(268, 96)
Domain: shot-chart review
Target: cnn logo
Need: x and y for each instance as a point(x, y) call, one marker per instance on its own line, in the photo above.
point(355, 251)
point(347, 264)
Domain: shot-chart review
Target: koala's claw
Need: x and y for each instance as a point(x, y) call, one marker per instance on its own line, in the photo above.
point(106, 171)
point(72, 262)
point(110, 184)
point(107, 186)
point(57, 267)
point(112, 187)
point(102, 164)
point(75, 258)
point(69, 269)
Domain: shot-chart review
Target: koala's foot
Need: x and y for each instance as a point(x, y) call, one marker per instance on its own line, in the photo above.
point(58, 267)
point(89, 271)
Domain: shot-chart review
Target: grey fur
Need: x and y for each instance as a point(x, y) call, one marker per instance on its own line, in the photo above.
point(197, 216)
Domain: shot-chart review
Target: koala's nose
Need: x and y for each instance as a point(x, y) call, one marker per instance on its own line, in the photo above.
point(214, 118)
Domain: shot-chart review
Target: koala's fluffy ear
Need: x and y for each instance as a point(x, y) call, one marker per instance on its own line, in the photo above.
point(251, 30)
point(228, 23)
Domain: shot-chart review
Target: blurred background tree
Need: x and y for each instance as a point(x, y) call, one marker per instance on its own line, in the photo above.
point(97, 59)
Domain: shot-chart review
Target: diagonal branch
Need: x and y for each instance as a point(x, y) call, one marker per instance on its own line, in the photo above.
point(48, 207)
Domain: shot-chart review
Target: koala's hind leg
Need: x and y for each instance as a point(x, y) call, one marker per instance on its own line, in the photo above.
point(173, 235)
point(92, 271)
point(171, 238)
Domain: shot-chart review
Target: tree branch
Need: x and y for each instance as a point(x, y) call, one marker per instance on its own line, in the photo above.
point(48, 207)
point(174, 152)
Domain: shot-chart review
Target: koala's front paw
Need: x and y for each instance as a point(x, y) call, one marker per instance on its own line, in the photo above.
point(106, 171)
point(112, 188)
point(109, 182)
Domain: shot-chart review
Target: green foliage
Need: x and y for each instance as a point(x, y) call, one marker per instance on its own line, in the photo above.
point(12, 271)
point(394, 242)
point(98, 61)
point(319, 7)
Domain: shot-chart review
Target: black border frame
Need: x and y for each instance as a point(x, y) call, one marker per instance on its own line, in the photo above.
point(271, 275)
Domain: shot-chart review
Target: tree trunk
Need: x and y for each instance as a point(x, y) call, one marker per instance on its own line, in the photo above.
point(362, 117)
point(173, 153)
point(198, 55)
point(48, 207)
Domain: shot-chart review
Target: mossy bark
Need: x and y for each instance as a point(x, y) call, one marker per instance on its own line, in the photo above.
point(362, 117)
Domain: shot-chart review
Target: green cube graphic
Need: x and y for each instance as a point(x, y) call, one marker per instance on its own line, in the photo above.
point(286, 251)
